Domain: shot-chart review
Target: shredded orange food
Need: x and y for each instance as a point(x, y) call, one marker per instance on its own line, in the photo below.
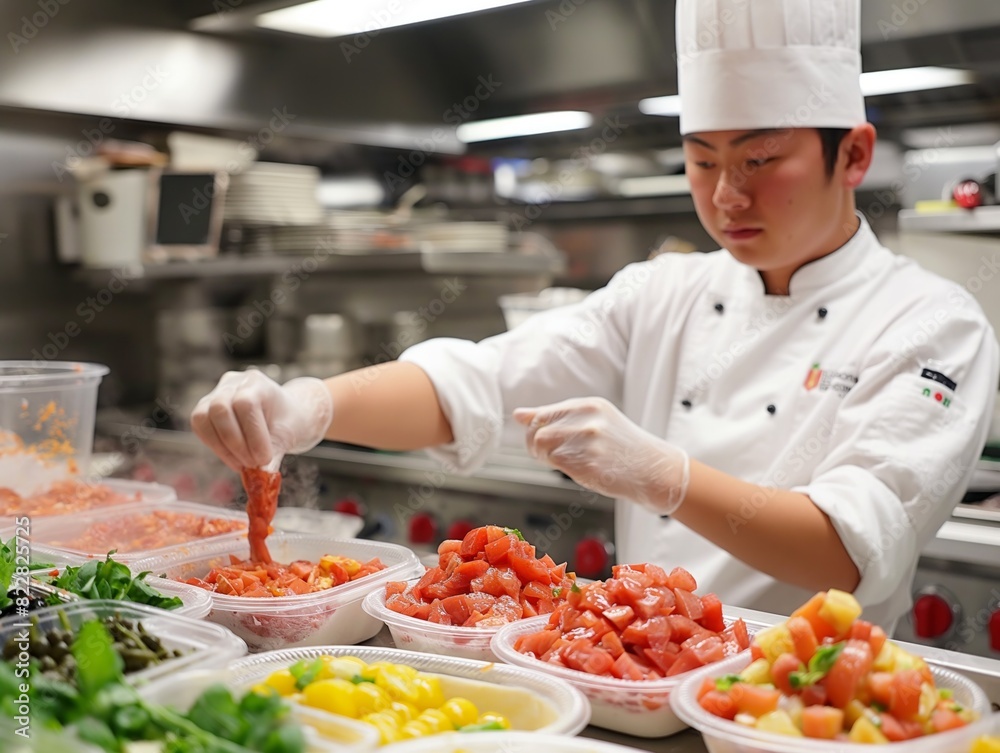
point(142, 531)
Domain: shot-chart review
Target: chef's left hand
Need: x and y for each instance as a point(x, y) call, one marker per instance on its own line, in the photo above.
point(596, 445)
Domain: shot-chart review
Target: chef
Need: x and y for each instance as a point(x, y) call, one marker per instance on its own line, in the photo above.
point(799, 410)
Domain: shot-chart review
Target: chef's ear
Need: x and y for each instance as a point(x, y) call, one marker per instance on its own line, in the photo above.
point(855, 154)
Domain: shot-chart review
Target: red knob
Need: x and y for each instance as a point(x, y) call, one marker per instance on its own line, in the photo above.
point(423, 529)
point(932, 616)
point(591, 558)
point(968, 194)
point(994, 628)
point(349, 506)
point(459, 529)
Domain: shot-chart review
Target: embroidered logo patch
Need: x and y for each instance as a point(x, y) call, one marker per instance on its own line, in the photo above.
point(840, 382)
point(939, 396)
point(937, 376)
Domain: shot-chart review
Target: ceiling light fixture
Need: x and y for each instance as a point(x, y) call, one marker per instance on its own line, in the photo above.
point(337, 18)
point(873, 84)
point(523, 125)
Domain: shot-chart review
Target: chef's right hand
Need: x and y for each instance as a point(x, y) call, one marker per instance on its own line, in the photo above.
point(249, 419)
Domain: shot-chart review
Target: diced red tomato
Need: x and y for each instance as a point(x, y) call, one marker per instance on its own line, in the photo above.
point(682, 579)
point(582, 655)
point(450, 545)
point(904, 694)
point(943, 720)
point(619, 616)
point(683, 627)
point(686, 660)
point(689, 605)
point(845, 677)
point(897, 730)
point(536, 643)
point(783, 666)
point(498, 551)
point(877, 639)
point(822, 722)
point(719, 704)
point(754, 699)
point(880, 687)
point(711, 618)
point(625, 667)
point(611, 643)
point(810, 611)
point(475, 541)
point(814, 695)
point(803, 638)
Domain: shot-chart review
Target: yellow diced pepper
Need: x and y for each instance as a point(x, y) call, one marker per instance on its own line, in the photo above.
point(758, 673)
point(778, 722)
point(840, 610)
point(865, 731)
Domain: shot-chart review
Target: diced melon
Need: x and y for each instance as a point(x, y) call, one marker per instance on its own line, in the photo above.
point(853, 711)
point(757, 673)
point(928, 701)
point(886, 659)
point(840, 609)
point(985, 745)
point(778, 722)
point(865, 731)
point(775, 641)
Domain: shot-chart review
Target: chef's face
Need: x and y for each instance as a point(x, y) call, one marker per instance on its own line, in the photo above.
point(766, 195)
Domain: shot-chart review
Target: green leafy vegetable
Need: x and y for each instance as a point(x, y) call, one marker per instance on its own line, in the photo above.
point(108, 579)
point(514, 532)
point(576, 589)
point(8, 565)
point(820, 663)
point(725, 682)
point(484, 727)
point(306, 672)
point(556, 593)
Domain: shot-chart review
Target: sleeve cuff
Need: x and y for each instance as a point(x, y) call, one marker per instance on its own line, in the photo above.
point(873, 526)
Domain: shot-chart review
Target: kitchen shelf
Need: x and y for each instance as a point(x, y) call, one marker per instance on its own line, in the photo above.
point(979, 220)
point(428, 262)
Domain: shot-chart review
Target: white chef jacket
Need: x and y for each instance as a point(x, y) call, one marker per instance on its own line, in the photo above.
point(868, 388)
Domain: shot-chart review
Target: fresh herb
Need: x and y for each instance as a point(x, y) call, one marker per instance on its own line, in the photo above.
point(945, 694)
point(575, 589)
point(876, 706)
point(556, 593)
point(513, 532)
point(108, 713)
point(358, 679)
point(112, 580)
point(484, 727)
point(725, 682)
point(820, 663)
point(305, 673)
point(8, 566)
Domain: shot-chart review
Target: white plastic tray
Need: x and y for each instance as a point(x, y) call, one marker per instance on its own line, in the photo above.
point(331, 616)
point(723, 736)
point(636, 707)
point(430, 637)
point(505, 742)
point(205, 645)
point(554, 706)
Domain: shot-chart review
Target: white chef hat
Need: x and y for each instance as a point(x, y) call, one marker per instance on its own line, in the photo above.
point(749, 64)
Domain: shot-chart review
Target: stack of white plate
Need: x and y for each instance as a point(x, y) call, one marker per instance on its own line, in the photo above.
point(273, 193)
point(341, 232)
point(463, 236)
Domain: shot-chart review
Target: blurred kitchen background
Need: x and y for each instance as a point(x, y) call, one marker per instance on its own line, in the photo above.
point(194, 186)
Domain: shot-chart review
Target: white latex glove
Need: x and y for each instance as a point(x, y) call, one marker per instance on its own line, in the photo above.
point(594, 443)
point(250, 421)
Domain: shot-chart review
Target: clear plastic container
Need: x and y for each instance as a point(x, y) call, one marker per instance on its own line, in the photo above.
point(723, 736)
point(324, 733)
point(331, 616)
point(430, 637)
point(61, 535)
point(47, 411)
point(530, 700)
point(205, 646)
point(125, 492)
point(636, 707)
point(506, 742)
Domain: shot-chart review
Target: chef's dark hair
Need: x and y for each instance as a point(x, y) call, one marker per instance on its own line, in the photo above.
point(830, 138)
